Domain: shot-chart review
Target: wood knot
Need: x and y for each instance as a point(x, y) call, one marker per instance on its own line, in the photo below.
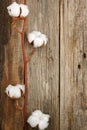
point(84, 55)
point(79, 66)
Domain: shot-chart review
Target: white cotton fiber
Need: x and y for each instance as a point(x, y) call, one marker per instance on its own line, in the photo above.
point(24, 10)
point(18, 10)
point(14, 9)
point(45, 39)
point(15, 91)
point(39, 119)
point(32, 36)
point(33, 121)
point(37, 33)
point(43, 125)
point(21, 87)
point(38, 42)
point(37, 113)
point(37, 38)
point(46, 117)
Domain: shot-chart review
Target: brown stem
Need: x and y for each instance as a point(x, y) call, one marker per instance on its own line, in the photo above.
point(24, 1)
point(25, 61)
point(18, 106)
point(25, 75)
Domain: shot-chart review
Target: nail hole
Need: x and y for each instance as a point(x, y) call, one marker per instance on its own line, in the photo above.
point(79, 66)
point(84, 55)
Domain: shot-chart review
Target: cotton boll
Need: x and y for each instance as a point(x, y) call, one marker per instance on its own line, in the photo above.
point(39, 119)
point(45, 117)
point(37, 33)
point(24, 10)
point(33, 121)
point(7, 89)
point(43, 125)
point(21, 87)
point(37, 38)
point(31, 37)
point(45, 39)
point(13, 92)
point(14, 9)
point(38, 42)
point(37, 113)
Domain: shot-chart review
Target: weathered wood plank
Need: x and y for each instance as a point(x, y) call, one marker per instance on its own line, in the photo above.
point(11, 64)
point(73, 65)
point(43, 70)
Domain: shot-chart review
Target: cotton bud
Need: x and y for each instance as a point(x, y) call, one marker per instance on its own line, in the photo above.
point(24, 10)
point(32, 36)
point(15, 92)
point(18, 10)
point(39, 119)
point(14, 9)
point(37, 38)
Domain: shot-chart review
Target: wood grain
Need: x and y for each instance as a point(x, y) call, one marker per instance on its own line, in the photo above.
point(57, 74)
point(11, 70)
point(73, 65)
point(43, 70)
point(61, 93)
point(43, 77)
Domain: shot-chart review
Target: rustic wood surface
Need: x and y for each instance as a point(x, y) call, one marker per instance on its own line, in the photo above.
point(73, 65)
point(43, 71)
point(43, 77)
point(57, 74)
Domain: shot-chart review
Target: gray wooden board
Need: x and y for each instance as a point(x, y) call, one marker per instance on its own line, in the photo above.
point(73, 65)
point(43, 71)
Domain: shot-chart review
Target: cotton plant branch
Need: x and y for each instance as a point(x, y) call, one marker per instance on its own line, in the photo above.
point(25, 61)
point(25, 74)
point(25, 66)
point(37, 39)
point(18, 10)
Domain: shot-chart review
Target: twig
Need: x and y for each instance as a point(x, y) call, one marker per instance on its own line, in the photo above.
point(25, 69)
point(18, 106)
point(25, 61)
point(25, 74)
point(24, 1)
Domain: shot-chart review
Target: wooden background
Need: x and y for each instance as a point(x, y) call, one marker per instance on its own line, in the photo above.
point(57, 74)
